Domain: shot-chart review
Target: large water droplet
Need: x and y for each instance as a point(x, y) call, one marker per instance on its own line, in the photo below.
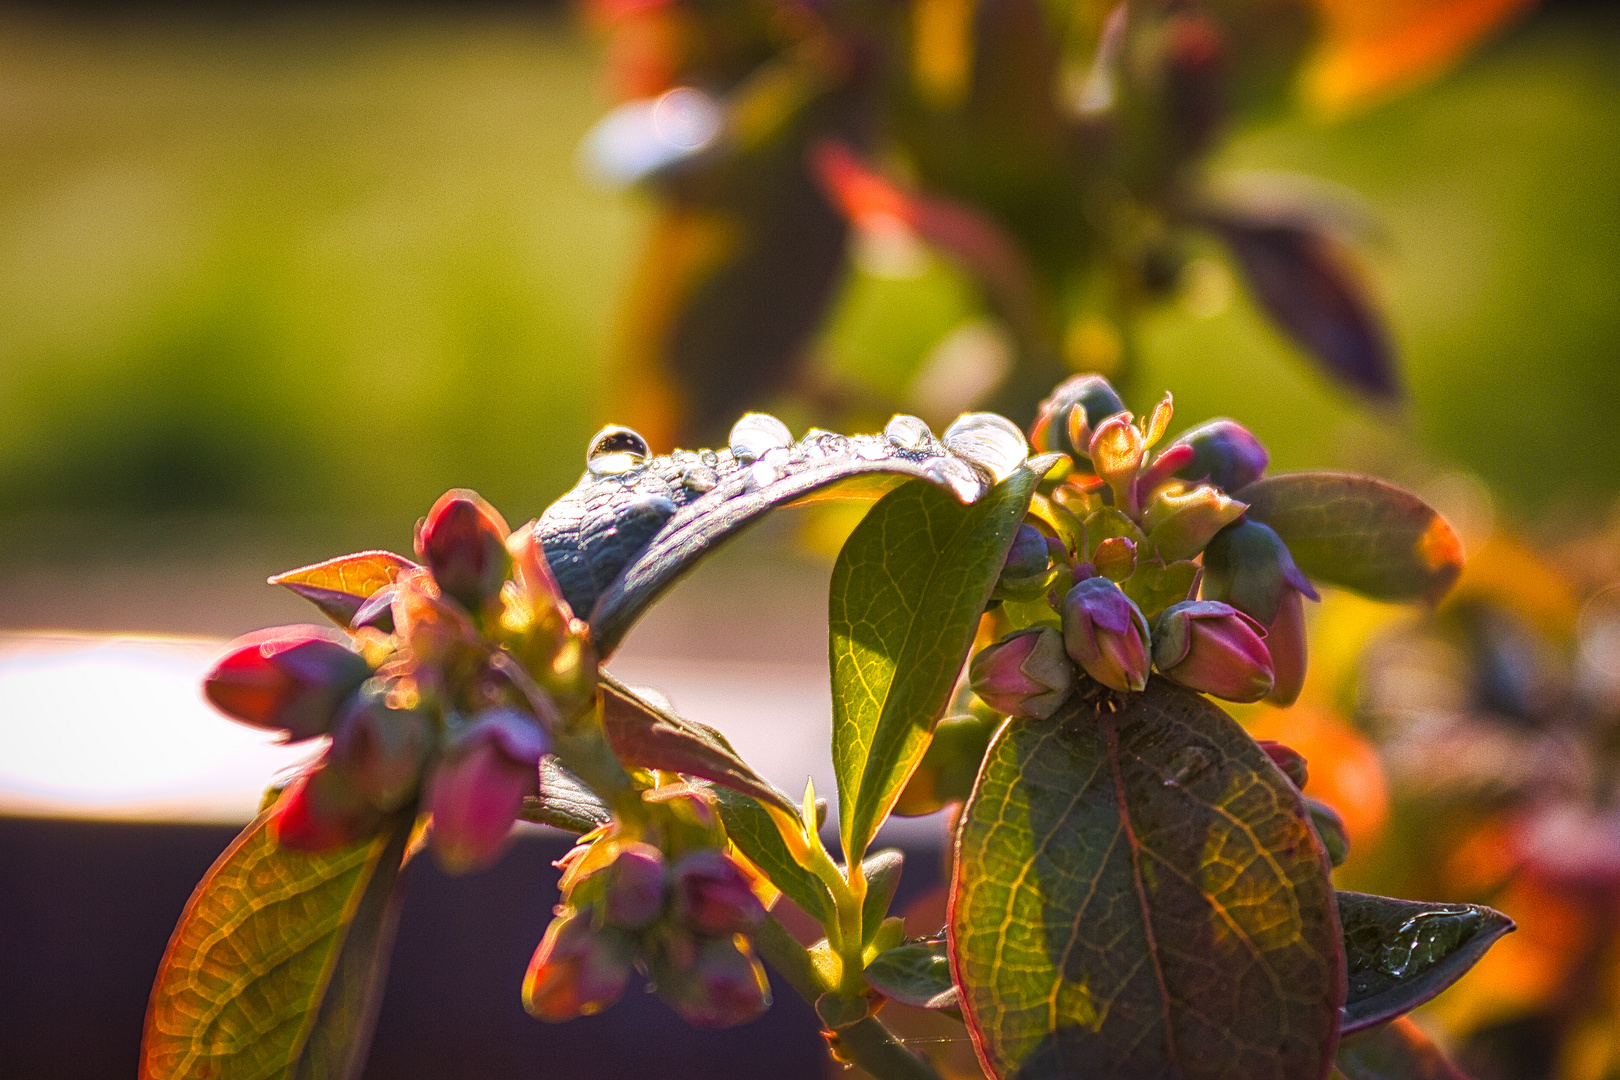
point(956, 475)
point(616, 450)
point(756, 433)
point(908, 432)
point(989, 441)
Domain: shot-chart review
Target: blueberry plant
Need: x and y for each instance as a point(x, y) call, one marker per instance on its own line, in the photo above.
point(1138, 889)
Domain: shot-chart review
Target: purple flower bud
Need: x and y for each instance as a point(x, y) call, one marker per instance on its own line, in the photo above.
point(1027, 673)
point(1066, 419)
point(479, 785)
point(320, 811)
point(1248, 566)
point(1023, 575)
point(463, 541)
point(714, 982)
point(286, 678)
point(1106, 634)
point(1286, 758)
point(712, 895)
point(634, 893)
point(381, 745)
point(576, 971)
point(377, 612)
point(1225, 453)
point(1213, 648)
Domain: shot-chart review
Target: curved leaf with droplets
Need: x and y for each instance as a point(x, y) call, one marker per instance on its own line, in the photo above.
point(617, 542)
point(1401, 953)
point(1139, 893)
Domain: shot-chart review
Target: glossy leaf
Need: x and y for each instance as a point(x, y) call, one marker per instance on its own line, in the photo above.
point(277, 966)
point(917, 973)
point(1303, 279)
point(564, 801)
point(907, 592)
point(645, 735)
point(616, 543)
point(1139, 893)
point(758, 835)
point(1401, 953)
point(339, 586)
point(1359, 533)
point(1397, 1051)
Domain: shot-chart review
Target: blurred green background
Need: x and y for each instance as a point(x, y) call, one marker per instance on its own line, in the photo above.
point(293, 272)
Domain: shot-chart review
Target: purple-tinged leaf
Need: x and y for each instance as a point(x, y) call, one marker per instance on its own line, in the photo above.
point(1396, 1051)
point(1304, 280)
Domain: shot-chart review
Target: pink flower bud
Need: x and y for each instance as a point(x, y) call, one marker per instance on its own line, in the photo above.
point(463, 541)
point(479, 785)
point(576, 971)
point(287, 678)
point(720, 986)
point(1213, 648)
point(1027, 673)
point(1286, 758)
point(712, 894)
point(1106, 634)
point(1285, 639)
point(320, 811)
point(1248, 566)
point(380, 746)
point(634, 894)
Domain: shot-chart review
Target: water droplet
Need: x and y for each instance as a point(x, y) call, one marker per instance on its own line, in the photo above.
point(699, 478)
point(870, 448)
point(709, 458)
point(756, 433)
point(957, 476)
point(908, 432)
point(822, 443)
point(760, 474)
point(989, 441)
point(616, 450)
point(1185, 765)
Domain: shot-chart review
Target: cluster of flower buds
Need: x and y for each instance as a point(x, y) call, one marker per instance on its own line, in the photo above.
point(1134, 562)
point(665, 898)
point(442, 689)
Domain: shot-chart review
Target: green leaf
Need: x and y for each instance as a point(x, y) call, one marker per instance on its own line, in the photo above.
point(339, 586)
point(757, 835)
point(882, 872)
point(1155, 585)
point(642, 734)
point(1359, 533)
point(564, 801)
point(277, 966)
point(1401, 953)
point(1397, 1051)
point(907, 592)
point(1139, 893)
point(917, 973)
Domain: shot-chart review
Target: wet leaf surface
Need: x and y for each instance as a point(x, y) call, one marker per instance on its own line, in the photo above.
point(906, 595)
point(1401, 953)
point(277, 966)
point(1140, 894)
point(1359, 533)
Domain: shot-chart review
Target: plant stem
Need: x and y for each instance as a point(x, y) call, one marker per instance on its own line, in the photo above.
point(873, 1047)
point(790, 959)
